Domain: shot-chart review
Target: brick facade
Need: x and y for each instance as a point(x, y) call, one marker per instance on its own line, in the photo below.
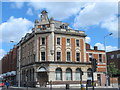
point(9, 65)
point(114, 57)
point(63, 49)
point(73, 49)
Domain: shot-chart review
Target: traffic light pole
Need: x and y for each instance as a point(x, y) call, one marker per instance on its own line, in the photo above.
point(81, 81)
point(94, 66)
point(81, 78)
point(92, 80)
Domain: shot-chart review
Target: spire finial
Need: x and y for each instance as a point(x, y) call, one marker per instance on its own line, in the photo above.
point(44, 12)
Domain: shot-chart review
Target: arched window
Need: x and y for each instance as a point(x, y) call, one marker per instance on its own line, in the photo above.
point(89, 73)
point(78, 74)
point(58, 74)
point(68, 74)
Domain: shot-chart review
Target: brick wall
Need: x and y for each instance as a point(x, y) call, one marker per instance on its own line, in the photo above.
point(87, 57)
point(114, 80)
point(82, 50)
point(9, 61)
point(64, 49)
point(73, 48)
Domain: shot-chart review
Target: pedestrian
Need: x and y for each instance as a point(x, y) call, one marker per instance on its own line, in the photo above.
point(7, 84)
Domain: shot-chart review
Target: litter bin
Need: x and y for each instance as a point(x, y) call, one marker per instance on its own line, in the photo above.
point(67, 86)
point(82, 87)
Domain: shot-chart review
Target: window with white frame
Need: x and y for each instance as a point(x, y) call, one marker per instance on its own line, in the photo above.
point(58, 41)
point(42, 56)
point(58, 56)
point(118, 55)
point(90, 56)
point(43, 40)
point(68, 42)
point(58, 74)
point(77, 56)
point(78, 73)
point(112, 56)
point(43, 27)
point(68, 74)
point(68, 56)
point(100, 57)
point(77, 43)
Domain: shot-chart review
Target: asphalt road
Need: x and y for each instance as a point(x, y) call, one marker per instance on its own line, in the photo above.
point(57, 89)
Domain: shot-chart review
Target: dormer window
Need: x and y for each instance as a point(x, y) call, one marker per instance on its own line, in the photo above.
point(43, 27)
point(61, 26)
point(64, 26)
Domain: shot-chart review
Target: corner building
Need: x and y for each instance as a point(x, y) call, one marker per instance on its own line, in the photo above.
point(54, 53)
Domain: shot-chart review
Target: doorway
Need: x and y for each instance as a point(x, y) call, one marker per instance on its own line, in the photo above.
point(42, 78)
point(99, 79)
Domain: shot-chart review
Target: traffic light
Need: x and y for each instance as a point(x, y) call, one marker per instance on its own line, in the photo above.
point(94, 65)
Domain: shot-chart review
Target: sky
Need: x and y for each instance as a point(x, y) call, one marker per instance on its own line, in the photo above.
point(97, 19)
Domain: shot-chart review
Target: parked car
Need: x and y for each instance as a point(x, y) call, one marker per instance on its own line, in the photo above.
point(1, 84)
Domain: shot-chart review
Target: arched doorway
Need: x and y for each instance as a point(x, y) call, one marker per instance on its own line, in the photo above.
point(42, 76)
point(89, 74)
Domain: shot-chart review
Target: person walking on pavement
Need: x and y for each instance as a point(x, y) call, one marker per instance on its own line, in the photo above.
point(7, 84)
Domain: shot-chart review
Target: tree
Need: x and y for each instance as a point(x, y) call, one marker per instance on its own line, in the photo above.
point(112, 70)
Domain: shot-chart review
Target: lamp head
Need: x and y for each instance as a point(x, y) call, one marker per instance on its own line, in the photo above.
point(110, 33)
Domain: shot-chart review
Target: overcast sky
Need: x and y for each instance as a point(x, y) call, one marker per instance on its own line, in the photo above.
point(97, 19)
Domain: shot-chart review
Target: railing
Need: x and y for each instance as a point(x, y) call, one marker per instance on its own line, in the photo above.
point(70, 30)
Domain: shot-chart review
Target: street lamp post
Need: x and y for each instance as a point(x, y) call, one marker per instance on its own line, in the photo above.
point(106, 58)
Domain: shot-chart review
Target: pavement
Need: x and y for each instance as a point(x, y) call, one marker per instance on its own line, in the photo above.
point(29, 88)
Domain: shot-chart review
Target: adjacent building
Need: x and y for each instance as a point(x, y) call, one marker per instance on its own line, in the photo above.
point(55, 53)
point(9, 65)
point(114, 56)
point(99, 55)
point(0, 68)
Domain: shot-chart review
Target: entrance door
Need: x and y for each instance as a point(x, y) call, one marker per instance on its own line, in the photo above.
point(99, 79)
point(42, 78)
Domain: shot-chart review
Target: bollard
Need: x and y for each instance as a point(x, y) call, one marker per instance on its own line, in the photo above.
point(50, 85)
point(83, 88)
point(67, 86)
point(86, 87)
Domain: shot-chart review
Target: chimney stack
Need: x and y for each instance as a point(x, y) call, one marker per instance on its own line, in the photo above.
point(95, 48)
point(87, 46)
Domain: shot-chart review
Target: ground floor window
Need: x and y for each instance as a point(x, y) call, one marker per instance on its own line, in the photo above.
point(78, 73)
point(58, 74)
point(68, 74)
